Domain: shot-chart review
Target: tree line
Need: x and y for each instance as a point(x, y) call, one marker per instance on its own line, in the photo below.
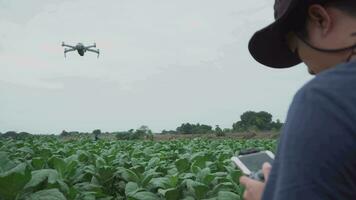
point(249, 121)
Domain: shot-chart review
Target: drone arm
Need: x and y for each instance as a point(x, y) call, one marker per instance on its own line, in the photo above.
point(91, 46)
point(67, 50)
point(66, 45)
point(94, 51)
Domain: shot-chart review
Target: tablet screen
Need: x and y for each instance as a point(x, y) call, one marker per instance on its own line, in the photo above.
point(255, 161)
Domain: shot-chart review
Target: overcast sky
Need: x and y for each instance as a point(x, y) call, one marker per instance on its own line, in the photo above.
point(162, 63)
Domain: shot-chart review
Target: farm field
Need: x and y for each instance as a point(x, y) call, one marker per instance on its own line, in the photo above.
point(49, 168)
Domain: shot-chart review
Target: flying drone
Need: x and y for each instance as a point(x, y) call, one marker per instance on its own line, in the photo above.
point(80, 48)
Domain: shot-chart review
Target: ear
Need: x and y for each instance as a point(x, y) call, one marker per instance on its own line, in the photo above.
point(320, 18)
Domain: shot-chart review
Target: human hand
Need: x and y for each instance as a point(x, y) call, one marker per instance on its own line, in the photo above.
point(254, 189)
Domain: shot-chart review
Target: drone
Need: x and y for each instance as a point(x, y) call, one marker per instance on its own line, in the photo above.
point(80, 48)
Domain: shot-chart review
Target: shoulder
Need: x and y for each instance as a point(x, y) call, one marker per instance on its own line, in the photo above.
point(335, 86)
point(317, 144)
point(329, 97)
point(338, 78)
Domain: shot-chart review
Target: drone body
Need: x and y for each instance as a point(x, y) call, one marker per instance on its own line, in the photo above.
point(80, 48)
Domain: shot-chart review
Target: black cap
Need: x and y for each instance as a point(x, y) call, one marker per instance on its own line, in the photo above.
point(268, 46)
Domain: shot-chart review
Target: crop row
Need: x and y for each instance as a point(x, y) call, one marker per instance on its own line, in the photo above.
point(48, 168)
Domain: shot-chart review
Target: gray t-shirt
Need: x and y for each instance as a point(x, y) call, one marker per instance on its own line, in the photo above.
point(316, 155)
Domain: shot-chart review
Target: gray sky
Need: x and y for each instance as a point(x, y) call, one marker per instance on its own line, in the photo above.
point(162, 63)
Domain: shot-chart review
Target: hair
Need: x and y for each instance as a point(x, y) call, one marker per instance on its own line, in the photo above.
point(299, 16)
point(347, 6)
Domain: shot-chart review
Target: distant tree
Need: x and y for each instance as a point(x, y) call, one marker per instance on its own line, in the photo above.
point(141, 133)
point(132, 134)
point(64, 133)
point(188, 128)
point(23, 135)
point(144, 129)
point(202, 129)
point(10, 134)
point(74, 133)
point(15, 135)
point(277, 125)
point(96, 133)
point(264, 120)
point(240, 126)
point(125, 135)
point(185, 129)
point(218, 131)
point(256, 121)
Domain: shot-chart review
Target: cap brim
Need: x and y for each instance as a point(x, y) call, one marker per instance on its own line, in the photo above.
point(268, 46)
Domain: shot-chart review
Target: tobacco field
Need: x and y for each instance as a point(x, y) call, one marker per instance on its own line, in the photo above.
point(46, 168)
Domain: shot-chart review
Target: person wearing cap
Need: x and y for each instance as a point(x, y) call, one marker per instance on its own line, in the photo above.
point(316, 154)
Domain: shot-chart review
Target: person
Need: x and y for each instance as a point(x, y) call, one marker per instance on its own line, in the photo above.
point(316, 153)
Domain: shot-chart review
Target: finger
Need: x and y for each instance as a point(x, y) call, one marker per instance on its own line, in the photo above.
point(266, 169)
point(245, 196)
point(244, 180)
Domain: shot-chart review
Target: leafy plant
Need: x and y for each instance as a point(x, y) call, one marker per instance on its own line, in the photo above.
point(48, 168)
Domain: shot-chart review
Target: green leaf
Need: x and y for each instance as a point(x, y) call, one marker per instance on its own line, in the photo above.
point(70, 169)
point(147, 179)
point(58, 164)
point(182, 165)
point(86, 186)
point(105, 174)
point(226, 186)
point(42, 175)
point(82, 156)
point(171, 193)
point(148, 175)
point(188, 198)
point(225, 195)
point(38, 163)
point(5, 163)
point(199, 161)
point(152, 163)
point(51, 194)
point(45, 153)
point(128, 175)
point(131, 188)
point(14, 180)
point(100, 162)
point(144, 196)
point(205, 176)
point(198, 189)
point(161, 182)
point(187, 176)
point(26, 150)
point(63, 187)
point(235, 175)
point(173, 180)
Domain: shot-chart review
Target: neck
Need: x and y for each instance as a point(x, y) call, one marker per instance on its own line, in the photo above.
point(353, 58)
point(348, 48)
point(352, 55)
